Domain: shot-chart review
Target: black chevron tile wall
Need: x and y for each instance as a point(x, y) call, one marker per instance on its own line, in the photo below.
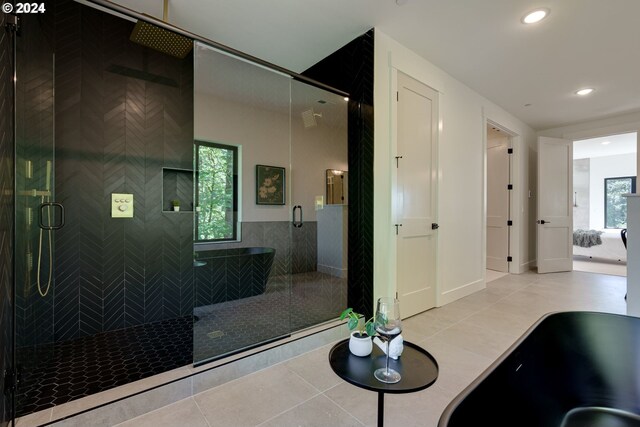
point(113, 134)
point(351, 70)
point(6, 213)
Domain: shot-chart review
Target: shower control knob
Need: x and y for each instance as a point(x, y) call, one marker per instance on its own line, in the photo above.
point(123, 208)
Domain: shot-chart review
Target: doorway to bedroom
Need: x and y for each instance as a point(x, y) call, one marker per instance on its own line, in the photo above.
point(604, 169)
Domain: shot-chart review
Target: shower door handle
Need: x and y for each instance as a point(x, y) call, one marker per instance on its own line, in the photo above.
point(297, 224)
point(50, 205)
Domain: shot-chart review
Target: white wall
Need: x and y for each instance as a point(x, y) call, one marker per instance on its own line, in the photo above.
point(623, 123)
point(263, 136)
point(316, 149)
point(582, 194)
point(462, 157)
point(601, 168)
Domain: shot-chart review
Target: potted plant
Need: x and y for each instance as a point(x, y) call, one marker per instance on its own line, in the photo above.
point(360, 339)
point(176, 205)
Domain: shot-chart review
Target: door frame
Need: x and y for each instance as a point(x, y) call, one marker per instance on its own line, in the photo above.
point(516, 143)
point(486, 190)
point(597, 129)
point(393, 148)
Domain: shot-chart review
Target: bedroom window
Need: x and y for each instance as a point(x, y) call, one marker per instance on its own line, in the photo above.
point(217, 195)
point(615, 206)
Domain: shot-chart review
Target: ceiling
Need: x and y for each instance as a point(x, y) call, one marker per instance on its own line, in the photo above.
point(482, 43)
point(617, 144)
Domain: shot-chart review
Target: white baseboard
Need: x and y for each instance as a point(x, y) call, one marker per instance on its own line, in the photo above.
point(461, 292)
point(530, 265)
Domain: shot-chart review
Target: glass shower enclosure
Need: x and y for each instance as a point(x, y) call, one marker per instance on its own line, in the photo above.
point(264, 278)
point(113, 283)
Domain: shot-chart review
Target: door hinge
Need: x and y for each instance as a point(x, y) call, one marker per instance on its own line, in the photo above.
point(509, 223)
point(397, 96)
point(13, 23)
point(509, 259)
point(509, 150)
point(510, 187)
point(398, 161)
point(397, 225)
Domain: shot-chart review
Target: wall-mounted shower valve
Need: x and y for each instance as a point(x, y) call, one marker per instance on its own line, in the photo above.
point(121, 205)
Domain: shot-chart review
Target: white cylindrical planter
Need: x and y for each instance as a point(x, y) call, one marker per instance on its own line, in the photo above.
point(360, 346)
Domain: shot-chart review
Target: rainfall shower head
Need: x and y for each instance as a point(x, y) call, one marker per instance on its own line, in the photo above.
point(160, 39)
point(309, 118)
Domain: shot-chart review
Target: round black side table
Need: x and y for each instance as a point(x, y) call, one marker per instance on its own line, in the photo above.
point(417, 367)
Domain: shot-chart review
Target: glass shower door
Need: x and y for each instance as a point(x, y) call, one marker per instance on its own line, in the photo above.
point(242, 239)
point(37, 213)
point(319, 190)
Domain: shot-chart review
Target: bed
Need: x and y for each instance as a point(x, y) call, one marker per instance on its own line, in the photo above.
point(611, 248)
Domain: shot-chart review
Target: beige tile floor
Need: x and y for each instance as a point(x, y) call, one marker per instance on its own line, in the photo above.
point(595, 265)
point(464, 336)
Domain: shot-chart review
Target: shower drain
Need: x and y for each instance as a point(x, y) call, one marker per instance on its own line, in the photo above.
point(215, 334)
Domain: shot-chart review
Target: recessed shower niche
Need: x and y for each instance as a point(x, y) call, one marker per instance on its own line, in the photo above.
point(177, 184)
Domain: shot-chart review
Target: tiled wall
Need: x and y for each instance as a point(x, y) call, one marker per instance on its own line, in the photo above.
point(295, 254)
point(351, 70)
point(6, 213)
point(113, 134)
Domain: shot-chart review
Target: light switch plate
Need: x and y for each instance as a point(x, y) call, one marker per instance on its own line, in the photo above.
point(319, 202)
point(121, 205)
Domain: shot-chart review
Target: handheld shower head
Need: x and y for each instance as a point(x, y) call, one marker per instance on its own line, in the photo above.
point(47, 183)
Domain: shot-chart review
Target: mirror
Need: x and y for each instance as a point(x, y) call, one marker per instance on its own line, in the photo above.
point(337, 183)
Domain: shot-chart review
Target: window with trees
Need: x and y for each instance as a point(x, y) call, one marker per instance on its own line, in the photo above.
point(615, 206)
point(216, 191)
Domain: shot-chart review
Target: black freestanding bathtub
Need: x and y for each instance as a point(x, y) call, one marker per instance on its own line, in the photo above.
point(570, 369)
point(232, 274)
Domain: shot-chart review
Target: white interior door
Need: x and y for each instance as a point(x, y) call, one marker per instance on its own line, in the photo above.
point(497, 200)
point(415, 196)
point(555, 213)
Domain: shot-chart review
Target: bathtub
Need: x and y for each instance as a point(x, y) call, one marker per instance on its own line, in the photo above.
point(231, 274)
point(570, 369)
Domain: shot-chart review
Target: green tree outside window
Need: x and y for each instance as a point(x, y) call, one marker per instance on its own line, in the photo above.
point(615, 205)
point(216, 179)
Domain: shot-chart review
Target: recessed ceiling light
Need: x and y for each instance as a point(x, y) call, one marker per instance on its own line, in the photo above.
point(605, 142)
point(585, 91)
point(401, 2)
point(535, 16)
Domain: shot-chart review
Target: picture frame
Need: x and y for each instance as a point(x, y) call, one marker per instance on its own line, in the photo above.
point(270, 185)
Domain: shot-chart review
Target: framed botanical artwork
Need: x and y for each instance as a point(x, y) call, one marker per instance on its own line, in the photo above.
point(270, 185)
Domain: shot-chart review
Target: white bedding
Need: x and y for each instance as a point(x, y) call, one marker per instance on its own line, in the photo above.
point(611, 248)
